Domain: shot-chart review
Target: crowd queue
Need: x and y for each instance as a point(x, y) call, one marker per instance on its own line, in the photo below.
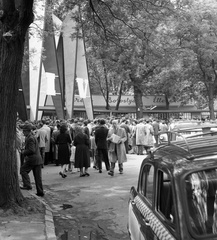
point(76, 144)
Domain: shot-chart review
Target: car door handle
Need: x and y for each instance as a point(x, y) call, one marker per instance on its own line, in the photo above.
point(146, 221)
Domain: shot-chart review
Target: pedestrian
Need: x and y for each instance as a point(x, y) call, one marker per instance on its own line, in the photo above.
point(149, 137)
point(93, 147)
point(124, 125)
point(101, 134)
point(63, 141)
point(32, 161)
point(47, 145)
point(140, 136)
point(156, 129)
point(116, 148)
point(42, 137)
point(82, 152)
point(133, 137)
point(54, 135)
point(19, 145)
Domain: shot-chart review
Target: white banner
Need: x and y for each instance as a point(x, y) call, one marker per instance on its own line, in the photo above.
point(50, 90)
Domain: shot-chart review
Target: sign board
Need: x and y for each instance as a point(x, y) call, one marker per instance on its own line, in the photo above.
point(126, 101)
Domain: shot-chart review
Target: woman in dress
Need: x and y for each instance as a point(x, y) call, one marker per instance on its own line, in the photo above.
point(63, 141)
point(82, 152)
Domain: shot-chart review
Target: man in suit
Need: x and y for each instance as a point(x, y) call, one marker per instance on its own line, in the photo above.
point(32, 161)
point(101, 134)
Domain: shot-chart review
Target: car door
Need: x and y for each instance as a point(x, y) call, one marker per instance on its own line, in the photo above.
point(152, 227)
point(145, 201)
point(134, 217)
point(163, 219)
point(139, 207)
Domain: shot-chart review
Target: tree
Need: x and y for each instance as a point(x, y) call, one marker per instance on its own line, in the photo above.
point(196, 33)
point(15, 18)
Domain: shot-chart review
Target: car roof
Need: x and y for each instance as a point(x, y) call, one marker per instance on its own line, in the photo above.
point(193, 126)
point(195, 152)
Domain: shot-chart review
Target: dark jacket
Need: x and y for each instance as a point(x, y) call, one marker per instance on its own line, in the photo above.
point(82, 153)
point(31, 151)
point(101, 134)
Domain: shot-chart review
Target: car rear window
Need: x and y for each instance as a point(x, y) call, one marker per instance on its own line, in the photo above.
point(201, 188)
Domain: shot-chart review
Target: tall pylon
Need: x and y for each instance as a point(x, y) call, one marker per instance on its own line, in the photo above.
point(75, 64)
point(58, 55)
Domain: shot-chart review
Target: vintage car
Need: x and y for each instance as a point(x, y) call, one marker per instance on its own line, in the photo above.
point(176, 194)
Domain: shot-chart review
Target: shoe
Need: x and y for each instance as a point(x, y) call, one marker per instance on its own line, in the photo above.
point(87, 174)
point(26, 188)
point(40, 194)
point(82, 175)
point(100, 171)
point(62, 175)
point(111, 174)
point(121, 172)
point(94, 167)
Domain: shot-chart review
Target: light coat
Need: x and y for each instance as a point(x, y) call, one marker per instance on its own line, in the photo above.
point(149, 139)
point(140, 131)
point(121, 151)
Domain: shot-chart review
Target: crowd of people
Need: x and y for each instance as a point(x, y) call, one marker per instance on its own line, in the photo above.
point(76, 144)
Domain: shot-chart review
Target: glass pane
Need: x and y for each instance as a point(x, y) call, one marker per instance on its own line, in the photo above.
point(165, 197)
point(202, 202)
point(149, 184)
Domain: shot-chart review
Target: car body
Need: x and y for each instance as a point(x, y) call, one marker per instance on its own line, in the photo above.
point(176, 194)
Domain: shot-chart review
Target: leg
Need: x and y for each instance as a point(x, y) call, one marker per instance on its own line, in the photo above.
point(99, 159)
point(24, 171)
point(139, 149)
point(42, 152)
point(111, 172)
point(86, 172)
point(120, 165)
point(105, 158)
point(96, 160)
point(62, 172)
point(38, 180)
point(82, 172)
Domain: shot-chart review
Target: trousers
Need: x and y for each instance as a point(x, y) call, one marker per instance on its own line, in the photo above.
point(103, 154)
point(25, 170)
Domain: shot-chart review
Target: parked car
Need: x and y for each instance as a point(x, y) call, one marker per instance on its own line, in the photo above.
point(176, 194)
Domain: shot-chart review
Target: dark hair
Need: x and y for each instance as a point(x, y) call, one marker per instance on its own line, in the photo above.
point(63, 128)
point(85, 122)
point(102, 121)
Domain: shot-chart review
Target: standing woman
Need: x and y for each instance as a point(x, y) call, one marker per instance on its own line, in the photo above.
point(63, 141)
point(82, 153)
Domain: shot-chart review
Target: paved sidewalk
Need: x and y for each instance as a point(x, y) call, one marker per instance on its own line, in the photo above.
point(41, 228)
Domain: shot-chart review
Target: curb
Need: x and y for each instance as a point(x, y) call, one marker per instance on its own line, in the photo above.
point(49, 223)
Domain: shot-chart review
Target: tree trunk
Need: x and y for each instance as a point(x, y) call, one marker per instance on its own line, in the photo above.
point(107, 85)
point(119, 96)
point(137, 96)
point(167, 102)
point(211, 101)
point(13, 26)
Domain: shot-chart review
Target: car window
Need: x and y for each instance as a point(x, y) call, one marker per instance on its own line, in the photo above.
point(201, 188)
point(147, 181)
point(165, 203)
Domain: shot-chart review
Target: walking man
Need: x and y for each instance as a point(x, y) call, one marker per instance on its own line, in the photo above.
point(116, 150)
point(101, 134)
point(32, 161)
